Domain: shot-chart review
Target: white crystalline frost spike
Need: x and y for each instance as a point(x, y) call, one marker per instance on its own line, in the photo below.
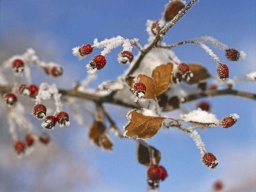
point(200, 116)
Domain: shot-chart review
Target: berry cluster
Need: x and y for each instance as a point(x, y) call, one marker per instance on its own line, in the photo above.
point(62, 118)
point(21, 146)
point(155, 174)
point(30, 90)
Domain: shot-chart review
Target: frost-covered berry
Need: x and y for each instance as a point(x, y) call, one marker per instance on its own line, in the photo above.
point(223, 71)
point(10, 99)
point(44, 138)
point(163, 173)
point(172, 9)
point(229, 121)
point(85, 49)
point(63, 119)
point(153, 172)
point(39, 111)
point(210, 160)
point(204, 105)
point(56, 71)
point(49, 122)
point(18, 65)
point(125, 57)
point(30, 140)
point(33, 90)
point(98, 62)
point(153, 176)
point(183, 68)
point(232, 54)
point(19, 147)
point(139, 89)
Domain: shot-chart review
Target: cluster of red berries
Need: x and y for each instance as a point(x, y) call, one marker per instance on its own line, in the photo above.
point(156, 173)
point(10, 99)
point(139, 89)
point(54, 70)
point(29, 141)
point(30, 90)
point(62, 118)
point(99, 61)
point(18, 65)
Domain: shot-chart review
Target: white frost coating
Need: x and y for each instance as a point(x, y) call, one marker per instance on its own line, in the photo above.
point(85, 83)
point(216, 43)
point(198, 141)
point(154, 58)
point(200, 116)
point(235, 116)
point(242, 55)
point(46, 91)
point(210, 52)
point(112, 85)
point(148, 112)
point(76, 53)
point(251, 76)
point(127, 45)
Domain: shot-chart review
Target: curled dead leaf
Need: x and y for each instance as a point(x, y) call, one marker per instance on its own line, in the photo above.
point(141, 126)
point(145, 154)
point(98, 136)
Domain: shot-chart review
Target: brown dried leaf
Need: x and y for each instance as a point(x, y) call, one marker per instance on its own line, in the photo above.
point(162, 78)
point(143, 154)
point(149, 83)
point(105, 142)
point(97, 129)
point(141, 126)
point(200, 73)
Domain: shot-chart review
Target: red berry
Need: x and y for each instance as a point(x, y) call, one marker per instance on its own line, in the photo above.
point(10, 99)
point(29, 140)
point(218, 186)
point(153, 173)
point(62, 118)
point(19, 147)
point(49, 122)
point(99, 61)
point(163, 173)
point(44, 138)
point(18, 65)
point(229, 121)
point(125, 57)
point(210, 160)
point(56, 71)
point(39, 111)
point(204, 105)
point(232, 54)
point(172, 9)
point(33, 90)
point(85, 49)
point(183, 68)
point(139, 89)
point(223, 71)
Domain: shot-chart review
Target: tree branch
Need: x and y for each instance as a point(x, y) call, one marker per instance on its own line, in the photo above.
point(160, 35)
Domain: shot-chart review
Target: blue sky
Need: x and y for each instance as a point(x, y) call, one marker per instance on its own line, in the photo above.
point(55, 27)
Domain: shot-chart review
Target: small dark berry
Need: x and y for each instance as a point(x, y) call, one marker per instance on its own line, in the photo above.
point(18, 65)
point(232, 54)
point(210, 160)
point(223, 71)
point(49, 122)
point(39, 111)
point(19, 147)
point(85, 49)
